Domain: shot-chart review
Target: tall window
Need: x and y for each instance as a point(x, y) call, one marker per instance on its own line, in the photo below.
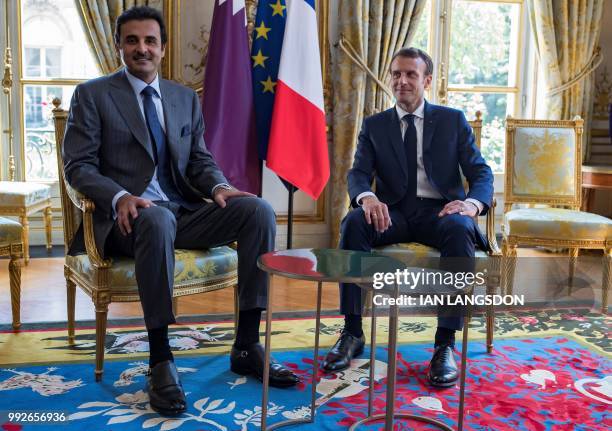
point(55, 57)
point(478, 50)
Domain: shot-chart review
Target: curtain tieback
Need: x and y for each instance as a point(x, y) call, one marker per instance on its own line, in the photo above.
point(590, 66)
point(348, 49)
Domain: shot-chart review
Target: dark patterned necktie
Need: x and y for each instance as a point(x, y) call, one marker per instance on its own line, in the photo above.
point(410, 144)
point(160, 147)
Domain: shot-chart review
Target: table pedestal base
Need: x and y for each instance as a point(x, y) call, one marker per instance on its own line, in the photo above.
point(383, 416)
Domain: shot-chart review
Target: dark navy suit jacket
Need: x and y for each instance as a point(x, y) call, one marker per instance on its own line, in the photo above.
point(449, 149)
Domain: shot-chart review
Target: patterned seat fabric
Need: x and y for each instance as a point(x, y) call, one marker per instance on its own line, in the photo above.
point(22, 194)
point(10, 231)
point(544, 162)
point(556, 223)
point(200, 266)
point(419, 255)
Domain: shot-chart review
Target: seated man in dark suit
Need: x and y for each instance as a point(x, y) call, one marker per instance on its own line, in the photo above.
point(134, 144)
point(415, 152)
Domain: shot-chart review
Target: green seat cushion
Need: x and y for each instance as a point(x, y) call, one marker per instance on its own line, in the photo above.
point(15, 194)
point(10, 231)
point(419, 255)
point(192, 266)
point(556, 223)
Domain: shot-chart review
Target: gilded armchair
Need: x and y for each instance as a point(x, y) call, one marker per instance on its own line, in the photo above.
point(11, 245)
point(416, 254)
point(543, 166)
point(112, 279)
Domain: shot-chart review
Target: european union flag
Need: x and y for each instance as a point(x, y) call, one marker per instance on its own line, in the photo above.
point(265, 55)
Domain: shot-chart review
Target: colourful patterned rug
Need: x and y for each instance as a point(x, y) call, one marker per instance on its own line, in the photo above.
point(550, 371)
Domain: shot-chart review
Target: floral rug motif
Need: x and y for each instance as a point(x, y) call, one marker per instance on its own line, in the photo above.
point(550, 371)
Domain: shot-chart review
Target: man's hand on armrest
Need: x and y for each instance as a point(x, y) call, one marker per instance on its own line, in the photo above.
point(127, 210)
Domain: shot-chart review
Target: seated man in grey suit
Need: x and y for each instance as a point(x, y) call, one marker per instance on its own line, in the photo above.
point(134, 144)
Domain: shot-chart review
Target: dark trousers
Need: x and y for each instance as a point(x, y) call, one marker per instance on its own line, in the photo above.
point(158, 230)
point(454, 235)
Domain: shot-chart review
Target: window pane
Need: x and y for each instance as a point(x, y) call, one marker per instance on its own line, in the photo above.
point(494, 109)
point(55, 25)
point(32, 62)
point(484, 43)
point(41, 159)
point(421, 37)
point(53, 62)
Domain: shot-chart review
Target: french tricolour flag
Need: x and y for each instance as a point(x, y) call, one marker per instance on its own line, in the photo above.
point(297, 149)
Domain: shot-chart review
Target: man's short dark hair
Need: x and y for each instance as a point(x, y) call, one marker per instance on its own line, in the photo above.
point(415, 53)
point(140, 13)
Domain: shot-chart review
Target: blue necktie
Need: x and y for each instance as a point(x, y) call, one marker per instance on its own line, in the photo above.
point(160, 147)
point(410, 144)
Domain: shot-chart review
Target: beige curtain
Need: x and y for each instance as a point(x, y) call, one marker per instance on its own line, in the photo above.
point(370, 31)
point(566, 34)
point(98, 17)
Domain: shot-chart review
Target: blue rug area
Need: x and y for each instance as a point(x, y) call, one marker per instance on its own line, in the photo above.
point(540, 384)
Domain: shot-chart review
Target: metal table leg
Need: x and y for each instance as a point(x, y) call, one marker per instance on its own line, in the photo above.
point(315, 367)
point(464, 347)
point(390, 415)
point(372, 358)
point(392, 366)
point(266, 370)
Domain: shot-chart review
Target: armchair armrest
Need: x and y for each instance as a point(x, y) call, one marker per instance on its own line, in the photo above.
point(491, 238)
point(95, 257)
point(76, 197)
point(87, 206)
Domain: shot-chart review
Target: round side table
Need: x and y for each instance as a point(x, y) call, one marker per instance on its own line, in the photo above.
point(345, 266)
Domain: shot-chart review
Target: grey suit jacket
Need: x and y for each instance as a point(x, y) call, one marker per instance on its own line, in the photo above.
point(107, 146)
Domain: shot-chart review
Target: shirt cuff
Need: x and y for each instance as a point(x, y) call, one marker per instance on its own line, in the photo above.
point(363, 195)
point(222, 185)
point(478, 204)
point(115, 199)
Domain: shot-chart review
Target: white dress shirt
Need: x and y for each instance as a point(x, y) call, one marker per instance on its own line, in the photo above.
point(424, 187)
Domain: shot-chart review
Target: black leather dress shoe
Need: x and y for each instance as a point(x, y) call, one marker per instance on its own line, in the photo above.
point(251, 361)
point(166, 393)
point(443, 368)
point(346, 348)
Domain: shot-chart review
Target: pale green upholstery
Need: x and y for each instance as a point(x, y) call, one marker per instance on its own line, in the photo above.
point(544, 161)
point(203, 267)
point(419, 255)
point(556, 223)
point(22, 194)
point(10, 231)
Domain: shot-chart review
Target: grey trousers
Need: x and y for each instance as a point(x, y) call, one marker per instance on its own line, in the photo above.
point(158, 230)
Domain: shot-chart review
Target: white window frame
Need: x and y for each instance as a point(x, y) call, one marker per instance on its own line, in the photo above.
point(526, 77)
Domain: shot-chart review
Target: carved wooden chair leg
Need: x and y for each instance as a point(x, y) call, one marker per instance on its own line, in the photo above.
point(15, 285)
point(101, 319)
point(573, 257)
point(70, 304)
point(607, 279)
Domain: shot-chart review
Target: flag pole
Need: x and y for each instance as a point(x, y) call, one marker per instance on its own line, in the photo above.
point(290, 216)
